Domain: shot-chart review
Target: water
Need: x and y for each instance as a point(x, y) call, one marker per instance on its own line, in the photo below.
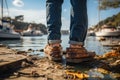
point(37, 43)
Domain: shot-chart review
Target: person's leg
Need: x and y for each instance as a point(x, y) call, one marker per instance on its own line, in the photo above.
point(79, 22)
point(78, 28)
point(53, 17)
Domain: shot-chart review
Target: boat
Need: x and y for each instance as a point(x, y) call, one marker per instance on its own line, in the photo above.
point(90, 33)
point(7, 31)
point(31, 31)
point(108, 31)
point(6, 28)
point(65, 32)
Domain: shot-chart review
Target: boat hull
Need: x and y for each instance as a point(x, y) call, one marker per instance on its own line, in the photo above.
point(31, 34)
point(5, 35)
point(107, 34)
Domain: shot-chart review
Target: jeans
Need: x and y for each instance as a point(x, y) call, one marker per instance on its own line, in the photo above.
point(78, 22)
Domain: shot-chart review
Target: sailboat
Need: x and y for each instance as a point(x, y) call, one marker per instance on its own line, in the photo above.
point(31, 31)
point(108, 31)
point(6, 28)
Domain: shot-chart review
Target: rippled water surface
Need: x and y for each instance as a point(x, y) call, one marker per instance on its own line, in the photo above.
point(37, 43)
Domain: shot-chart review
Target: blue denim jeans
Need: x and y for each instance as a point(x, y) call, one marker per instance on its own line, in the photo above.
point(78, 22)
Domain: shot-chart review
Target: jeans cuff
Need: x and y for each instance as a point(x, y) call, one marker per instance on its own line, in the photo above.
point(54, 41)
point(75, 42)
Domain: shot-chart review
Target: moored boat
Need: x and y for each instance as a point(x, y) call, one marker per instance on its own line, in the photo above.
point(108, 31)
point(31, 31)
point(6, 28)
point(7, 31)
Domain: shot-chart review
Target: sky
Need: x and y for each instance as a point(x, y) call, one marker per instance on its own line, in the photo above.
point(35, 11)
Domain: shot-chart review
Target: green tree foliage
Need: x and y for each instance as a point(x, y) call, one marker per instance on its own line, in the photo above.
point(20, 17)
point(19, 25)
point(107, 4)
point(24, 25)
point(113, 21)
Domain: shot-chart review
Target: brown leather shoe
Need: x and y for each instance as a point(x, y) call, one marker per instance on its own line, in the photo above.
point(53, 52)
point(76, 55)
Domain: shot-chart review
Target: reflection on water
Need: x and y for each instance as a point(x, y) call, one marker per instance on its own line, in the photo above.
point(37, 43)
point(26, 43)
point(92, 44)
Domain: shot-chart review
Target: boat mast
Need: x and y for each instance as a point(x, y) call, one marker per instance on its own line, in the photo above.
point(1, 12)
point(7, 7)
point(99, 13)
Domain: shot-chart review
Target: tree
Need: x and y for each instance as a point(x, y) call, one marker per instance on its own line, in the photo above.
point(107, 4)
point(20, 18)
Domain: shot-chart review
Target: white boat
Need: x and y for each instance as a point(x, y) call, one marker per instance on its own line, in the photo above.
point(7, 35)
point(6, 28)
point(31, 32)
point(7, 31)
point(90, 33)
point(108, 31)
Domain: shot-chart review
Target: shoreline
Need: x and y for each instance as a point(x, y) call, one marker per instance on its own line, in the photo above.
point(34, 66)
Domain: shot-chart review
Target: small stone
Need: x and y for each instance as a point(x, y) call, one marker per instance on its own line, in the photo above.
point(24, 64)
point(58, 67)
point(41, 50)
point(21, 52)
point(49, 79)
point(30, 50)
point(16, 74)
point(35, 74)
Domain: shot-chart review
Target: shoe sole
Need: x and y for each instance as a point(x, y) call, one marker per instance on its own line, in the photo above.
point(82, 59)
point(53, 58)
point(79, 60)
